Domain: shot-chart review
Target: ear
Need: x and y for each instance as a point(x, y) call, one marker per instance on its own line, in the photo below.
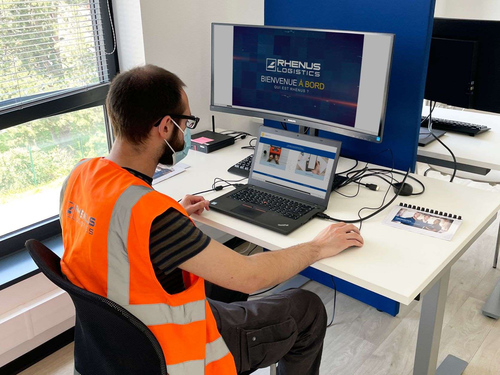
point(165, 128)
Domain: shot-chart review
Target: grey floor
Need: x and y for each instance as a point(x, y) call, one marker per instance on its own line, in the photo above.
point(364, 341)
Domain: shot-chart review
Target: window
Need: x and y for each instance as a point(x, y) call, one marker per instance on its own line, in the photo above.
point(36, 157)
point(57, 58)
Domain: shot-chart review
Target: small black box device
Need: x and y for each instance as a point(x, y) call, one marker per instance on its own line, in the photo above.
point(209, 141)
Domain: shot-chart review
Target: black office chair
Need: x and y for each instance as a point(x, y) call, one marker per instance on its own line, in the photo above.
point(108, 338)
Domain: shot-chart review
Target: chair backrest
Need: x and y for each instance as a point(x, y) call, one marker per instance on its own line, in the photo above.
point(108, 338)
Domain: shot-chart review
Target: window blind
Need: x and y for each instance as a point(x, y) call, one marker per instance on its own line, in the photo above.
point(50, 48)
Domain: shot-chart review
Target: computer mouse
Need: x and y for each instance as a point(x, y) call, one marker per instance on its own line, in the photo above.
point(405, 191)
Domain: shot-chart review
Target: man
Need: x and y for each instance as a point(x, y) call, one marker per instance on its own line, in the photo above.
point(140, 249)
point(426, 220)
point(411, 221)
point(435, 227)
point(417, 221)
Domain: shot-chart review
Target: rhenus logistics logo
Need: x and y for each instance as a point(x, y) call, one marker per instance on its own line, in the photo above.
point(82, 218)
point(271, 65)
point(293, 67)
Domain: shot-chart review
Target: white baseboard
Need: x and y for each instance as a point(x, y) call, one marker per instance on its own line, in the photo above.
point(36, 341)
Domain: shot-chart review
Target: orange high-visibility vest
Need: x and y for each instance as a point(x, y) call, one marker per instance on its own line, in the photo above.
point(106, 216)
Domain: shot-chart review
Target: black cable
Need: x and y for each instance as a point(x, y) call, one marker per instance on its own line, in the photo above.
point(265, 291)
point(334, 302)
point(322, 215)
point(250, 146)
point(360, 172)
point(379, 172)
point(246, 252)
point(251, 251)
point(431, 109)
point(429, 127)
point(215, 187)
point(283, 125)
point(347, 182)
point(348, 196)
point(350, 169)
point(369, 185)
point(356, 174)
point(385, 195)
point(234, 183)
point(237, 132)
point(425, 119)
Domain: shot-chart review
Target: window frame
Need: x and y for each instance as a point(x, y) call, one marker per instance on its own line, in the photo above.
point(65, 102)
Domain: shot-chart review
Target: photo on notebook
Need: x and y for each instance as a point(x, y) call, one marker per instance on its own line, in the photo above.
point(418, 221)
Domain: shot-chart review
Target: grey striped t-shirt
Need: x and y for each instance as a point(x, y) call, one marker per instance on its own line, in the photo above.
point(173, 240)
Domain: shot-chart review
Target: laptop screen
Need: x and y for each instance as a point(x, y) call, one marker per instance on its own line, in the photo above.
point(299, 164)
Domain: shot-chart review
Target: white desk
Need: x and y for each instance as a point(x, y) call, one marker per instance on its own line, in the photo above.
point(477, 154)
point(394, 263)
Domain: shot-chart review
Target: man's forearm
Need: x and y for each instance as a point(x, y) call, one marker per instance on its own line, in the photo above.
point(225, 267)
point(273, 267)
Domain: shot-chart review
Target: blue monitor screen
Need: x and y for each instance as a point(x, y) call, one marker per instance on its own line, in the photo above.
point(306, 73)
point(331, 80)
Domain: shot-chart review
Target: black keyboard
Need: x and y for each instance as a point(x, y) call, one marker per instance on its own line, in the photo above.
point(455, 126)
point(242, 168)
point(276, 203)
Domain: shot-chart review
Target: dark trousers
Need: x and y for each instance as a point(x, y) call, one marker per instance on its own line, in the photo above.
point(286, 327)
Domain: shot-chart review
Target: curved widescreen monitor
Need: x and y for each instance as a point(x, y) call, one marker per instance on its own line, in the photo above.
point(326, 79)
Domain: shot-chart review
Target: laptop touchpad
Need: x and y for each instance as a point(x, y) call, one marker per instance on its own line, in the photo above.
point(247, 211)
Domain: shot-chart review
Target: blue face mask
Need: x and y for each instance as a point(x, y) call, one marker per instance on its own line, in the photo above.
point(179, 155)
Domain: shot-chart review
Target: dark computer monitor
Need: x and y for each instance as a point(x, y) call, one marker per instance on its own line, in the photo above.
point(325, 79)
point(463, 64)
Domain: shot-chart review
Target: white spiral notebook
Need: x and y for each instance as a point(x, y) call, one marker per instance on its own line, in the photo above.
point(426, 221)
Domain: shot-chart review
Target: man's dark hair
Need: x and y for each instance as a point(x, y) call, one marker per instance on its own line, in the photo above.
point(139, 97)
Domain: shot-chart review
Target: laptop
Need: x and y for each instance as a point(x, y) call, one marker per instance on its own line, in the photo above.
point(289, 183)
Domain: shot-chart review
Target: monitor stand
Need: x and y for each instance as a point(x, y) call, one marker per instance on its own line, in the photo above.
point(425, 137)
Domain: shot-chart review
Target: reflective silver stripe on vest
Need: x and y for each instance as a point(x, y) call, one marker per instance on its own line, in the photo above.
point(118, 264)
point(76, 372)
point(150, 314)
point(154, 314)
point(65, 184)
point(215, 350)
point(119, 269)
point(187, 368)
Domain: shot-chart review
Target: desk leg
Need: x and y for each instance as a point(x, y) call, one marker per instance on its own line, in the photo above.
point(491, 308)
point(495, 260)
point(429, 333)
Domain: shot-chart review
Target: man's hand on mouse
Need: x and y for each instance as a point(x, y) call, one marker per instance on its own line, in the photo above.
point(194, 204)
point(337, 237)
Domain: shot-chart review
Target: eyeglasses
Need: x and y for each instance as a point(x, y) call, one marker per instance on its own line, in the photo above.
point(191, 122)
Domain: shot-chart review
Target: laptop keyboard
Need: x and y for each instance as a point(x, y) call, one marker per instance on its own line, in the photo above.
point(276, 203)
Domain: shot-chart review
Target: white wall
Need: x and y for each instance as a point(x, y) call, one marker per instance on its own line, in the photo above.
point(468, 9)
point(128, 27)
point(177, 37)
